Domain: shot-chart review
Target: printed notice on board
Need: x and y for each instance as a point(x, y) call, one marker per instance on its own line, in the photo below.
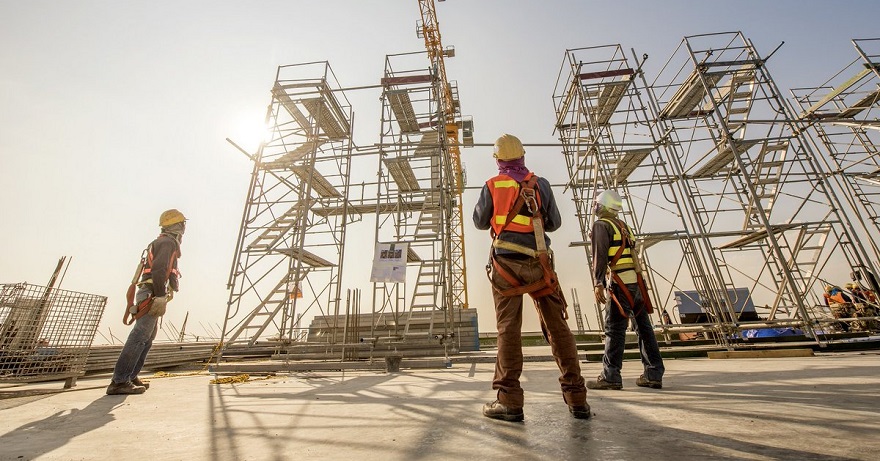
point(389, 263)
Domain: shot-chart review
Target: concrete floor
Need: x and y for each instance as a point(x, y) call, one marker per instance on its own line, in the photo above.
point(823, 407)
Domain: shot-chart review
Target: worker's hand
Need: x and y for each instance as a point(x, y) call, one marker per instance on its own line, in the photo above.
point(600, 294)
point(157, 309)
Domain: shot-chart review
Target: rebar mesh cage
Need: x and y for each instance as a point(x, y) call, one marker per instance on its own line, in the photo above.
point(45, 333)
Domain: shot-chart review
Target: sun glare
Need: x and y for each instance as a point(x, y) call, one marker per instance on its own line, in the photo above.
point(250, 133)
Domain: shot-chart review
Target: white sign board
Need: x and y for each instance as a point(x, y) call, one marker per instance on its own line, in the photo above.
point(389, 263)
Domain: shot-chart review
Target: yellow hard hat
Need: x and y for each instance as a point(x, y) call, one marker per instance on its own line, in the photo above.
point(851, 285)
point(508, 147)
point(170, 217)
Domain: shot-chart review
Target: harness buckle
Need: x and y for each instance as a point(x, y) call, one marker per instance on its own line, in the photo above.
point(529, 200)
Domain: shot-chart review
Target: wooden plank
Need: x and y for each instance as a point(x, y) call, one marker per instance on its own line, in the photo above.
point(764, 354)
point(605, 73)
point(835, 92)
point(407, 80)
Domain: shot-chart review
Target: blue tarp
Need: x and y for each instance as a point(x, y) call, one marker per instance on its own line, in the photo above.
point(771, 332)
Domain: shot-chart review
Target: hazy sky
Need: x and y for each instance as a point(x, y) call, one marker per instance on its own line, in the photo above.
point(111, 112)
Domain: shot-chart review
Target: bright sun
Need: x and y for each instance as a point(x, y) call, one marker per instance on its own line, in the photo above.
point(250, 132)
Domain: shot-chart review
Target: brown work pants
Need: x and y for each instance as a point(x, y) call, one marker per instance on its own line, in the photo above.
point(509, 314)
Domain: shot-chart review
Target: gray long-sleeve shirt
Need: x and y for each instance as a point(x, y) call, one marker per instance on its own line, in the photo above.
point(600, 240)
point(484, 213)
point(163, 269)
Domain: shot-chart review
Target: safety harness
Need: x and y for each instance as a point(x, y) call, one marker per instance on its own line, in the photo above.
point(549, 283)
point(626, 244)
point(134, 311)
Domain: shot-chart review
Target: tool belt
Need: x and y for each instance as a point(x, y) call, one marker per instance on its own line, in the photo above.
point(626, 241)
point(549, 282)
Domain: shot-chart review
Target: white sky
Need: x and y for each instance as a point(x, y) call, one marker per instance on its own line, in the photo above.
point(111, 112)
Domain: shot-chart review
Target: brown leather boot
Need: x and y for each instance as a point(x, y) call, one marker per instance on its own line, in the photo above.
point(645, 382)
point(497, 410)
point(580, 411)
point(126, 388)
point(601, 384)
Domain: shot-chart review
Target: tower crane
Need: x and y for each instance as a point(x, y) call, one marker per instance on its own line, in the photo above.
point(451, 123)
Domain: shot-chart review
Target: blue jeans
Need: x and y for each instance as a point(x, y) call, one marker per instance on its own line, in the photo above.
point(138, 344)
point(615, 336)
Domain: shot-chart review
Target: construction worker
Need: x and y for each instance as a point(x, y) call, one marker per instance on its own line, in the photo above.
point(835, 295)
point(519, 207)
point(158, 282)
point(617, 272)
point(859, 294)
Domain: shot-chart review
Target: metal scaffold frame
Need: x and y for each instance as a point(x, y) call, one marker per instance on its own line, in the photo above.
point(418, 209)
point(843, 117)
point(609, 142)
point(718, 179)
point(766, 214)
point(290, 251)
point(291, 247)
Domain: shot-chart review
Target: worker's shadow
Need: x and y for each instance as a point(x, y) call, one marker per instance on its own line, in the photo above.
point(37, 438)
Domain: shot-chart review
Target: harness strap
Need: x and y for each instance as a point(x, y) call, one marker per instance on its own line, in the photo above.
point(549, 283)
point(498, 243)
point(626, 293)
point(133, 312)
point(624, 242)
point(535, 289)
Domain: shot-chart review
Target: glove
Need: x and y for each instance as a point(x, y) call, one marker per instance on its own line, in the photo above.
point(157, 308)
point(599, 290)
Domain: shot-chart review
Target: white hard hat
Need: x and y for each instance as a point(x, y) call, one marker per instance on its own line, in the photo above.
point(610, 199)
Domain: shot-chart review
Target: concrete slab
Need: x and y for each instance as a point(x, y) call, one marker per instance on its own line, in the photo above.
point(822, 407)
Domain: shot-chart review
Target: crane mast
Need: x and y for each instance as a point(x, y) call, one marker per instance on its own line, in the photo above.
point(449, 144)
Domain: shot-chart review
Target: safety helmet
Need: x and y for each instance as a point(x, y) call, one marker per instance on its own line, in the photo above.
point(170, 217)
point(610, 199)
point(851, 286)
point(508, 147)
point(828, 288)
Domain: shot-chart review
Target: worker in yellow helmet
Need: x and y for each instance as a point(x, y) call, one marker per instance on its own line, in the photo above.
point(518, 207)
point(158, 282)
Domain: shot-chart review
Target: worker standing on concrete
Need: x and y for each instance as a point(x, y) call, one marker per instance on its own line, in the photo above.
point(616, 270)
point(158, 282)
point(518, 207)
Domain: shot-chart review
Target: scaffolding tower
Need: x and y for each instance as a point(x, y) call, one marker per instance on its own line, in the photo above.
point(290, 249)
point(417, 198)
point(609, 142)
point(766, 218)
point(842, 117)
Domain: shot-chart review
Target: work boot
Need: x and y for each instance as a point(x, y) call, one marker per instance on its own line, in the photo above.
point(580, 411)
point(497, 410)
point(601, 384)
point(125, 388)
point(645, 382)
point(137, 382)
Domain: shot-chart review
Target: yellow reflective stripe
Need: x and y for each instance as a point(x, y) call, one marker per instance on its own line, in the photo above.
point(506, 183)
point(518, 219)
point(626, 261)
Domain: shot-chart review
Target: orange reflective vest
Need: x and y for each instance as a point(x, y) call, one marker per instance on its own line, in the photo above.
point(505, 190)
